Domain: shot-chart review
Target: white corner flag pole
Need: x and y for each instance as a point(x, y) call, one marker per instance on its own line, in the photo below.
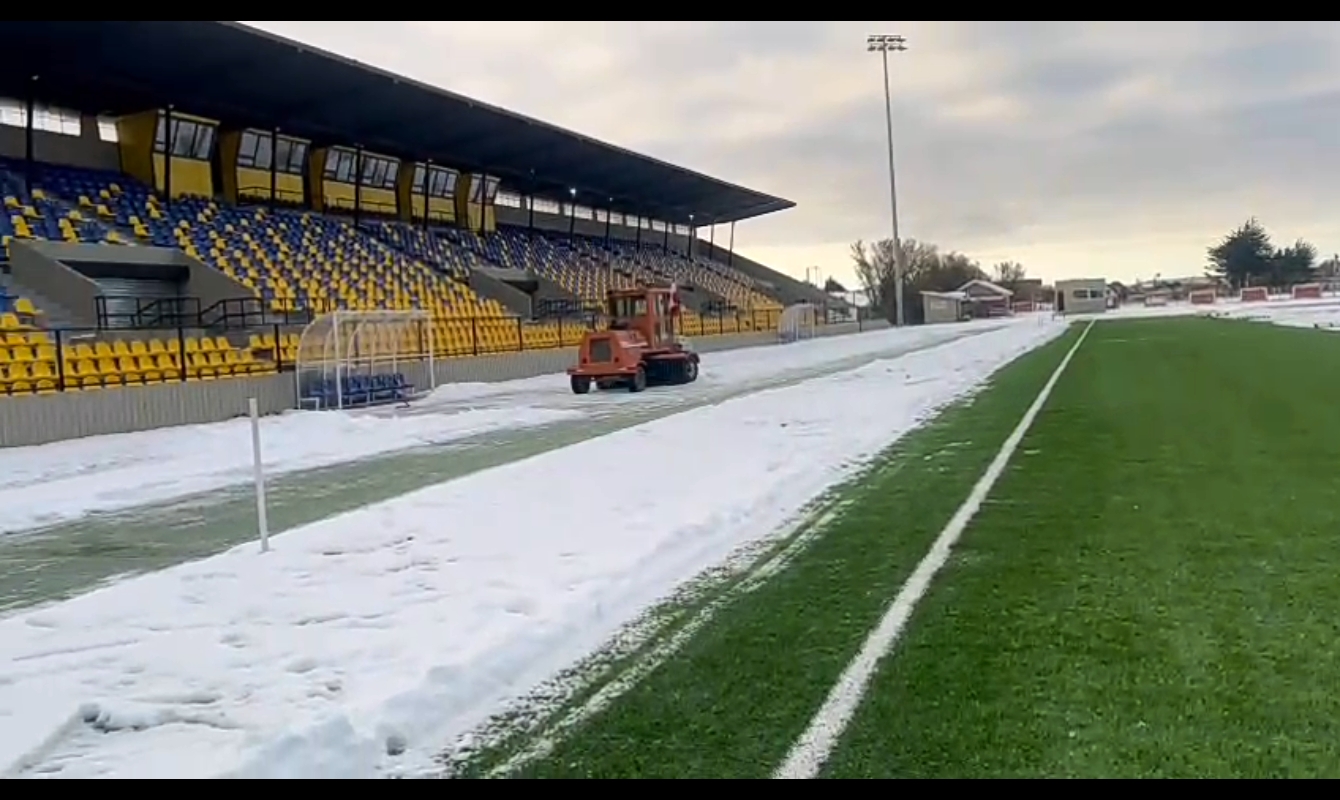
point(258, 469)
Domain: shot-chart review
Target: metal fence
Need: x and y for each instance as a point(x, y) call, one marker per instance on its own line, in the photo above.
point(68, 359)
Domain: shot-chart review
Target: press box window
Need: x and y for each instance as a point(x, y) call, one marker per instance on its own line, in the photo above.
point(441, 184)
point(254, 151)
point(378, 173)
point(190, 139)
point(292, 155)
point(374, 171)
point(340, 166)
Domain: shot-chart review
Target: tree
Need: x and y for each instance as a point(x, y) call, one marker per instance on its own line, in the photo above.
point(875, 270)
point(1244, 256)
point(1293, 264)
point(925, 270)
point(831, 286)
point(1008, 274)
point(946, 273)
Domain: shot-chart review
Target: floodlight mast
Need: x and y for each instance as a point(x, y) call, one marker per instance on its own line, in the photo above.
point(884, 44)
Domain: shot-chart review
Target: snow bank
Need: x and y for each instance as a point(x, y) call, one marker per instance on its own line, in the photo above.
point(1324, 313)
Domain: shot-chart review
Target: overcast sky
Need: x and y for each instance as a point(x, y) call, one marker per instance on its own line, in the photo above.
point(1099, 149)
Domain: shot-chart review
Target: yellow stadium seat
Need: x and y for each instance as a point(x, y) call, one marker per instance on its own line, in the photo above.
point(197, 367)
point(167, 367)
point(19, 378)
point(107, 369)
point(216, 363)
point(82, 373)
point(130, 371)
point(44, 377)
point(148, 369)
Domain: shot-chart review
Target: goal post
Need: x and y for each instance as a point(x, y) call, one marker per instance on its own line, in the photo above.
point(797, 322)
point(358, 358)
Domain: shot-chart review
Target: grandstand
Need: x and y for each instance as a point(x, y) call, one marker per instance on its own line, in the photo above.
point(294, 183)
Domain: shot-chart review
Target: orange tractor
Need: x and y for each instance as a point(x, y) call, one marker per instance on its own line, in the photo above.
point(638, 349)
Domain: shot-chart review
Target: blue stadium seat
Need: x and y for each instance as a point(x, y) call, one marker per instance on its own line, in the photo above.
point(359, 390)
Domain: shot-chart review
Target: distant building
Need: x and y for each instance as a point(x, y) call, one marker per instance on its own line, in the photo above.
point(938, 307)
point(1082, 296)
point(1028, 290)
point(986, 299)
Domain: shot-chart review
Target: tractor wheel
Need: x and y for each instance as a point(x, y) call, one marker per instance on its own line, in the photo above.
point(639, 381)
point(690, 371)
point(580, 384)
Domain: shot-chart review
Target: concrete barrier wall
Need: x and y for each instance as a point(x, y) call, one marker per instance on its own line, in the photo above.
point(71, 415)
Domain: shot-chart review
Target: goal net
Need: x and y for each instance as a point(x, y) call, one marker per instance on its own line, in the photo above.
point(348, 359)
point(797, 322)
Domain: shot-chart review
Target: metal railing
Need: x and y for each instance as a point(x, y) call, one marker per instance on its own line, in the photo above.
point(148, 313)
point(69, 359)
point(243, 313)
point(114, 313)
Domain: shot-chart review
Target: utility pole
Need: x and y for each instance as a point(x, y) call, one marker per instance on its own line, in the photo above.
point(883, 44)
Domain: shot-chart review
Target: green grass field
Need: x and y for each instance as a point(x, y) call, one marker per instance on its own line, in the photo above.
point(1151, 589)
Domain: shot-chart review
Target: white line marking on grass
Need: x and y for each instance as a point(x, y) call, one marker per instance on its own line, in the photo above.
point(815, 745)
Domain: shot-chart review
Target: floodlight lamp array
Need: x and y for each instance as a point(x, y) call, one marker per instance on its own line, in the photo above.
point(884, 43)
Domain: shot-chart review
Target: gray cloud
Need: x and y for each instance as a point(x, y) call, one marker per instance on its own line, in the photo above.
point(1036, 135)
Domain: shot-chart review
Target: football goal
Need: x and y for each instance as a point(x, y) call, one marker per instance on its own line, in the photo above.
point(360, 358)
point(797, 322)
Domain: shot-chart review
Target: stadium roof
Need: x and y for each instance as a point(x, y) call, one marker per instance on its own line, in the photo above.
point(246, 77)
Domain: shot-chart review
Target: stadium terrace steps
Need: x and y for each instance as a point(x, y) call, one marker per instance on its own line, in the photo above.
point(53, 314)
point(486, 285)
